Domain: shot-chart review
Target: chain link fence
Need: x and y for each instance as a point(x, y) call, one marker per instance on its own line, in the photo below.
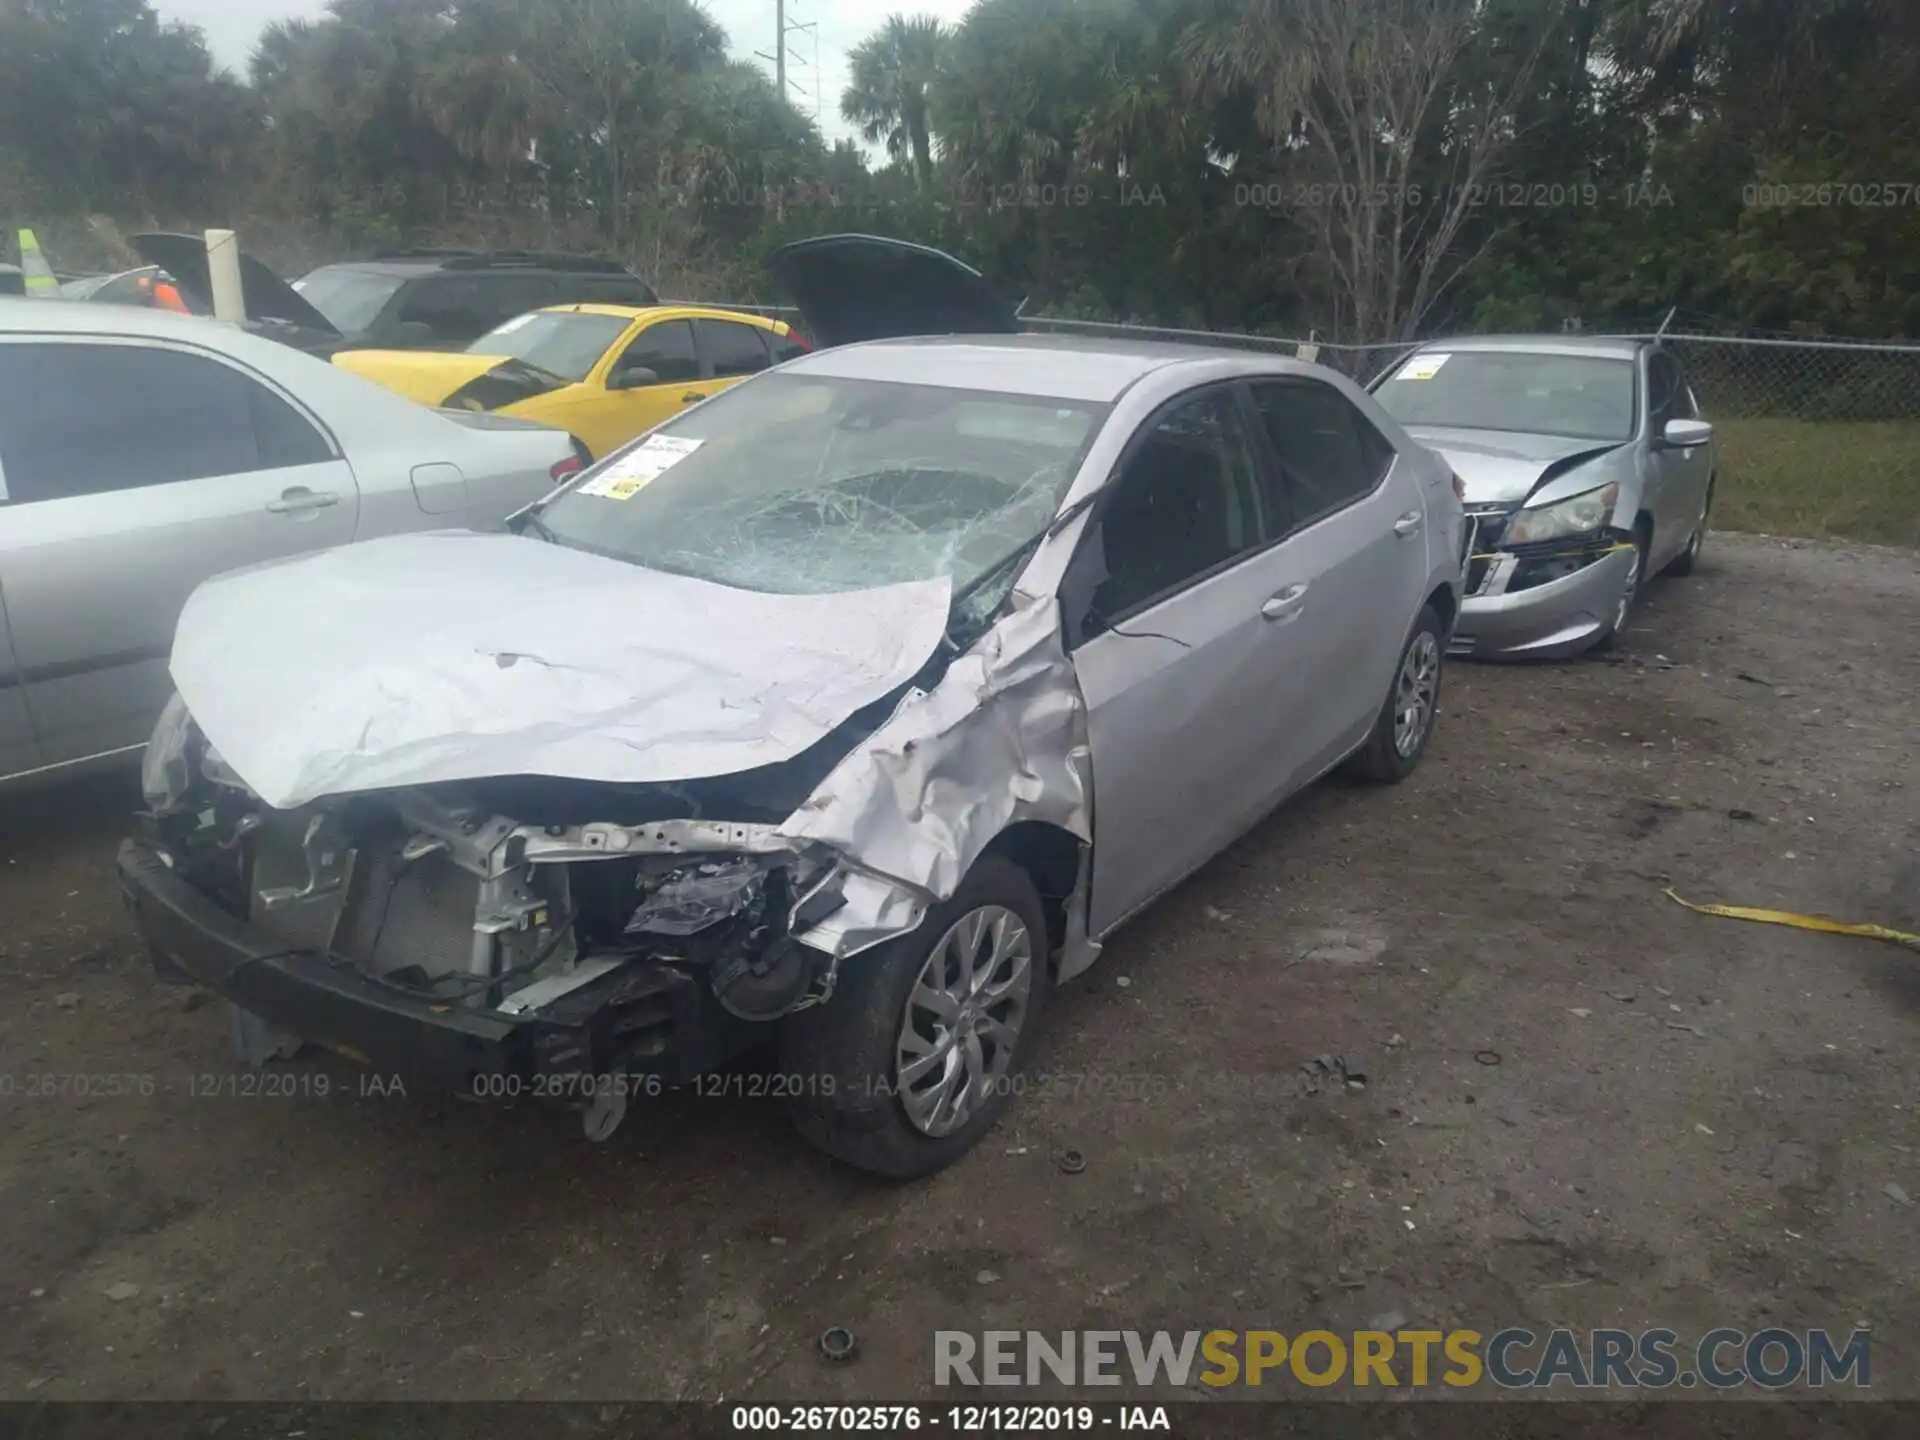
point(1816, 438)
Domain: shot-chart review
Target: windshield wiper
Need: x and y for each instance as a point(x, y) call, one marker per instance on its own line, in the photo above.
point(530, 520)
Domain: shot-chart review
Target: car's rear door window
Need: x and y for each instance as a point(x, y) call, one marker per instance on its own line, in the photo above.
point(1318, 439)
point(731, 348)
point(667, 349)
point(83, 419)
point(1185, 503)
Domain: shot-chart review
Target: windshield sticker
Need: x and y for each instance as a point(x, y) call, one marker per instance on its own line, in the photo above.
point(627, 476)
point(1424, 368)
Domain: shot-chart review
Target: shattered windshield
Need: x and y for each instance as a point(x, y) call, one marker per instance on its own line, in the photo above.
point(804, 484)
point(1580, 396)
point(562, 343)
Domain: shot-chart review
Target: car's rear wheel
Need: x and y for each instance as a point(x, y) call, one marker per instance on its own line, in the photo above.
point(1629, 593)
point(1689, 559)
point(1405, 722)
point(918, 1051)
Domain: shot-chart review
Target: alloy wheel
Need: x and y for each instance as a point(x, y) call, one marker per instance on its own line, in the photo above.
point(963, 1019)
point(1415, 694)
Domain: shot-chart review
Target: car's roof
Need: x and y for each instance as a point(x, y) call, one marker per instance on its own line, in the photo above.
point(635, 312)
point(1591, 346)
point(483, 263)
point(19, 316)
point(1066, 367)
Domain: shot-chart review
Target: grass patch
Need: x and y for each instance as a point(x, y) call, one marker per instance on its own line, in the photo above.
point(1842, 480)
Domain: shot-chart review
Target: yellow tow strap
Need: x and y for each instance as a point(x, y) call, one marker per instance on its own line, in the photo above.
point(1803, 922)
point(1598, 555)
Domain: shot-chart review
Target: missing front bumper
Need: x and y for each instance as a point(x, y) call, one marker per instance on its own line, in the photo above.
point(638, 1017)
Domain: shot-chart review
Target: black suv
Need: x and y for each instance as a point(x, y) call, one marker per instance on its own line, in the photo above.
point(444, 299)
point(409, 300)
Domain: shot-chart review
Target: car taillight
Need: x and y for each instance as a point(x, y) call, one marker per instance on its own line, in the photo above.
point(798, 339)
point(572, 465)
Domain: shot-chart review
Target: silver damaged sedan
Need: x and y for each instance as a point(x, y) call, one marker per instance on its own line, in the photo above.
point(851, 710)
point(1587, 468)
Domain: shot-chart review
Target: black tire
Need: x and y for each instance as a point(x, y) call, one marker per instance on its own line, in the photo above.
point(843, 1052)
point(1382, 760)
point(1642, 541)
point(1688, 560)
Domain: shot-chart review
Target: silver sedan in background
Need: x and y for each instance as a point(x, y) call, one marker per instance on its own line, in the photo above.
point(142, 452)
point(1586, 466)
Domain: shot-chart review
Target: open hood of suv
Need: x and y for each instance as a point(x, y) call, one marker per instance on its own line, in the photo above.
point(267, 296)
point(866, 287)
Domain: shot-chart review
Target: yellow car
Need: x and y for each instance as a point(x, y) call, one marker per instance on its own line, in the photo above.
point(603, 373)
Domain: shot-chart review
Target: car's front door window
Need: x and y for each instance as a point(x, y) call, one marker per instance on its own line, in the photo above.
point(170, 417)
point(666, 348)
point(1186, 649)
point(1185, 504)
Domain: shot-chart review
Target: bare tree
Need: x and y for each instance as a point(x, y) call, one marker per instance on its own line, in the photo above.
point(1391, 138)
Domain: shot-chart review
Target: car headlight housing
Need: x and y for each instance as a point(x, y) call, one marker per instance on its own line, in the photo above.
point(1579, 515)
point(165, 773)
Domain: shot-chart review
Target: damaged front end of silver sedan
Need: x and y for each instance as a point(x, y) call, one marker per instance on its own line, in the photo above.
point(588, 940)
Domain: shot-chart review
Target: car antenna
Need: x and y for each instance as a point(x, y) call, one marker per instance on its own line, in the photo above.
point(1661, 333)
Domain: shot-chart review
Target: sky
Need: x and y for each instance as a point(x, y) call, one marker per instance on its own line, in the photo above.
point(233, 28)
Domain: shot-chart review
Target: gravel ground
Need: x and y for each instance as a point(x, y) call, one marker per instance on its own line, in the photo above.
point(1692, 1121)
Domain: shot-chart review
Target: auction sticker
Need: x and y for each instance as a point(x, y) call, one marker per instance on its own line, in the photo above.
point(627, 476)
point(1425, 367)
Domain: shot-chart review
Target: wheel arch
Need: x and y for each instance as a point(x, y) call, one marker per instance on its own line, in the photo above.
point(1051, 857)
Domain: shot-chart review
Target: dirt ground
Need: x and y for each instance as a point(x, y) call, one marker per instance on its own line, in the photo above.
point(1692, 1122)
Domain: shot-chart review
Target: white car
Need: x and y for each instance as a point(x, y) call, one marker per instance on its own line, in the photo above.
point(143, 452)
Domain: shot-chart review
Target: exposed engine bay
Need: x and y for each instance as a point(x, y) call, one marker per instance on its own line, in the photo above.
point(436, 892)
point(532, 925)
point(649, 942)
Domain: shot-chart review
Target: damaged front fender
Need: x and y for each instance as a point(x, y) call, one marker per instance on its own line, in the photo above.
point(1001, 739)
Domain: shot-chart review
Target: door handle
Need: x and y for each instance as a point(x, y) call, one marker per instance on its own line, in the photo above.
point(300, 499)
point(1407, 524)
point(1286, 605)
point(691, 396)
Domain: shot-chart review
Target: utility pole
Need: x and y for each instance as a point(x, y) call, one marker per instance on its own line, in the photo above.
point(779, 56)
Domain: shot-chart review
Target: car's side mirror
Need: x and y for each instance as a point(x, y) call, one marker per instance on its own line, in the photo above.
point(1686, 434)
point(632, 378)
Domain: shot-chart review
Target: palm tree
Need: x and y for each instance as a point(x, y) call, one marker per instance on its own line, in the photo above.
point(893, 72)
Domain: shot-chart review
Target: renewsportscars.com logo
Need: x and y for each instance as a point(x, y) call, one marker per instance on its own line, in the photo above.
point(1512, 1359)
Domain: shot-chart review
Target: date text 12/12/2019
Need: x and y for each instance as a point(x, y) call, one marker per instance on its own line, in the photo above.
point(950, 1419)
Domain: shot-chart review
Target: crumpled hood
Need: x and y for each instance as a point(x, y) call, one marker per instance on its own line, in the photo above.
point(1499, 467)
point(451, 655)
point(426, 377)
